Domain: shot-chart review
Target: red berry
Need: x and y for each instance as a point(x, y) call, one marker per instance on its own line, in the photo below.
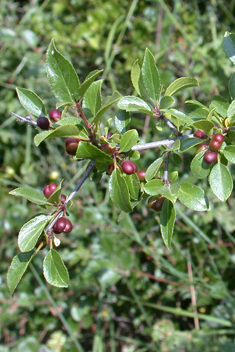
point(200, 134)
point(43, 123)
point(68, 226)
point(210, 157)
point(218, 137)
point(215, 145)
point(49, 189)
point(141, 175)
point(62, 225)
point(129, 167)
point(55, 114)
point(71, 145)
point(62, 198)
point(109, 134)
point(156, 202)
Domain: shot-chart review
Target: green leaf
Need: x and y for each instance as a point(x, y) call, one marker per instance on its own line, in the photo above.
point(128, 139)
point(31, 102)
point(110, 101)
point(189, 143)
point(180, 115)
point(62, 76)
point(31, 194)
point(55, 196)
point(131, 103)
point(179, 84)
point(119, 192)
point(204, 125)
point(122, 121)
point(87, 82)
point(221, 105)
point(229, 153)
point(221, 182)
point(199, 168)
point(68, 130)
point(17, 269)
point(92, 99)
point(231, 86)
point(133, 185)
point(170, 192)
point(192, 197)
point(150, 76)
point(54, 270)
point(167, 221)
point(229, 46)
point(152, 187)
point(166, 102)
point(231, 112)
point(31, 231)
point(135, 76)
point(89, 151)
point(153, 169)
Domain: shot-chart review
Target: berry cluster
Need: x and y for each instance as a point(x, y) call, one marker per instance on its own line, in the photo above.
point(216, 141)
point(44, 123)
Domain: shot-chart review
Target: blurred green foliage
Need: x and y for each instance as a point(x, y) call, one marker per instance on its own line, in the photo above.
point(116, 269)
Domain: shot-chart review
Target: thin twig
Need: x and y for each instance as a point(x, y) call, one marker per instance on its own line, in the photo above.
point(26, 119)
point(166, 142)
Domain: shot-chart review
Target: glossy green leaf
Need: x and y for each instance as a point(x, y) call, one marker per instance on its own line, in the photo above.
point(133, 185)
point(31, 102)
point(153, 169)
point(231, 112)
point(89, 151)
point(128, 139)
point(31, 194)
point(167, 221)
point(92, 99)
point(170, 192)
point(17, 269)
point(179, 84)
point(192, 197)
point(68, 130)
point(70, 120)
point(231, 86)
point(87, 82)
point(221, 182)
point(31, 231)
point(150, 76)
point(135, 76)
point(122, 121)
point(166, 102)
point(229, 46)
point(54, 270)
point(189, 143)
point(180, 115)
point(131, 103)
point(119, 192)
point(199, 168)
point(229, 153)
point(152, 187)
point(221, 105)
point(109, 102)
point(204, 125)
point(62, 76)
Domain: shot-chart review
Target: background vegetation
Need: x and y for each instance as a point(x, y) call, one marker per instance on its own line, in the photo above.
point(126, 289)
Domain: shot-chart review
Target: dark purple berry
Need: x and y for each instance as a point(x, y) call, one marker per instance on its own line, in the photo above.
point(215, 145)
point(55, 114)
point(141, 175)
point(49, 189)
point(129, 167)
point(43, 123)
point(68, 226)
point(210, 157)
point(218, 137)
point(200, 134)
point(62, 198)
point(156, 202)
point(60, 225)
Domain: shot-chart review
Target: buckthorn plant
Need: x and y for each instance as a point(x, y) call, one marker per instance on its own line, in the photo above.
point(113, 150)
